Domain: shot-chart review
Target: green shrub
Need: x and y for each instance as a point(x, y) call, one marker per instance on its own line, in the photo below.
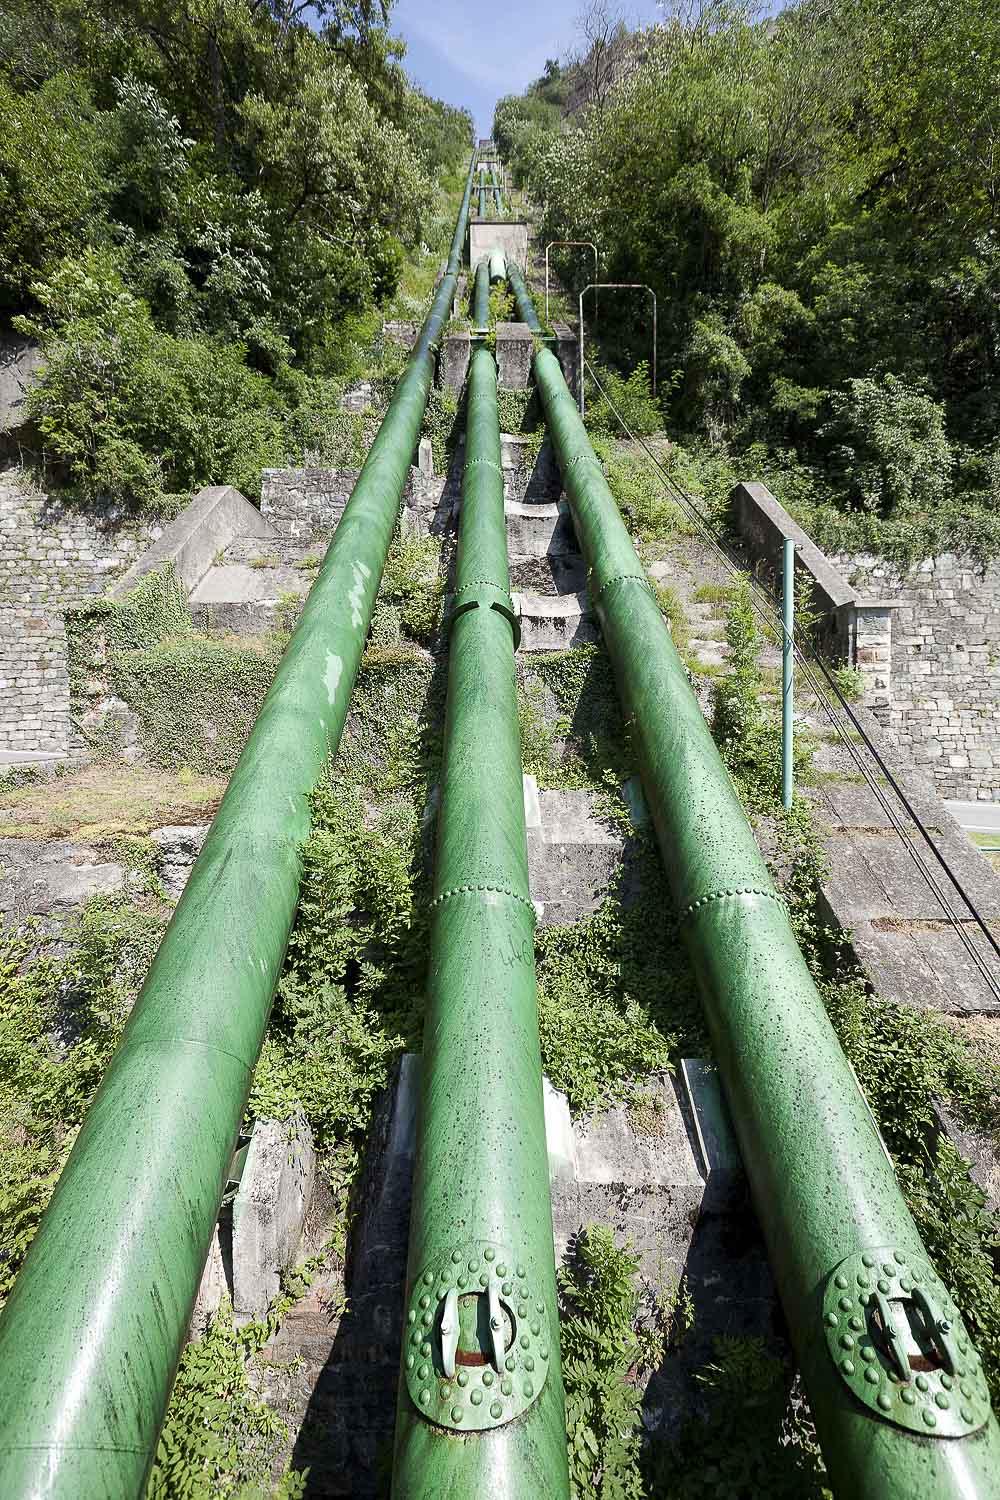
point(128, 412)
point(600, 1349)
point(632, 397)
point(220, 1437)
point(60, 1021)
point(890, 448)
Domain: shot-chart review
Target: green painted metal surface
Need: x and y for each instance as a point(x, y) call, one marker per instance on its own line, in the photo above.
point(525, 305)
point(481, 1276)
point(824, 1189)
point(497, 192)
point(90, 1338)
point(481, 296)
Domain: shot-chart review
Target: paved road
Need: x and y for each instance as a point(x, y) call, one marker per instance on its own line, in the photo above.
point(977, 817)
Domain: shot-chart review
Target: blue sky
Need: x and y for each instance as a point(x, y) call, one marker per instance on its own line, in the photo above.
point(471, 54)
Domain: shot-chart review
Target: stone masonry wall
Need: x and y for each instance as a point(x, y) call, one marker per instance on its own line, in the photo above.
point(51, 556)
point(944, 692)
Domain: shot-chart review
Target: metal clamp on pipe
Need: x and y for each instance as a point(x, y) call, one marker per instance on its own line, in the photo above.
point(483, 593)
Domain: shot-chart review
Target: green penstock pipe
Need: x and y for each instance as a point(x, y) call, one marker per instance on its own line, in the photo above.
point(497, 194)
point(481, 1411)
point(482, 200)
point(481, 295)
point(895, 1384)
point(525, 305)
point(91, 1335)
point(458, 238)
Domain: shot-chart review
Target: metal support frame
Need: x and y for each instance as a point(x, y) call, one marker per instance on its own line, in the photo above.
point(852, 1272)
point(615, 286)
point(578, 244)
point(787, 671)
point(95, 1324)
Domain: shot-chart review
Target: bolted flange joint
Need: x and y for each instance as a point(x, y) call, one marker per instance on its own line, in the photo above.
point(477, 1339)
point(901, 1346)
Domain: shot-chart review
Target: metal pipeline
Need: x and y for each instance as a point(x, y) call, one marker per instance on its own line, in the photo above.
point(487, 272)
point(896, 1387)
point(481, 1408)
point(481, 295)
point(482, 200)
point(91, 1335)
point(497, 194)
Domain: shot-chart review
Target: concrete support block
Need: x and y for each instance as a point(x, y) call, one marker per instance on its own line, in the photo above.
point(539, 530)
point(554, 622)
point(567, 351)
point(453, 362)
point(515, 349)
point(269, 1210)
point(486, 235)
point(214, 519)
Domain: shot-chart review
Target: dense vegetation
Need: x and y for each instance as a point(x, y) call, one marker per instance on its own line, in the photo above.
point(815, 200)
point(201, 208)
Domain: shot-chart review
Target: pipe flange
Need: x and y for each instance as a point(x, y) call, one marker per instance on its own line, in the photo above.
point(900, 1345)
point(478, 1341)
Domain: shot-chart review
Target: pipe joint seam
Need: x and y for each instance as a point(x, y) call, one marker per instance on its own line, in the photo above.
point(639, 578)
point(484, 588)
point(488, 583)
point(496, 890)
point(470, 463)
point(737, 890)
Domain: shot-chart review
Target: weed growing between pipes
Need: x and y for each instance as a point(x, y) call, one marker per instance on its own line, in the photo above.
point(572, 731)
point(61, 1016)
point(220, 1437)
point(616, 995)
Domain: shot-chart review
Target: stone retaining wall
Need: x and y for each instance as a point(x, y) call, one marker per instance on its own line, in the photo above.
point(51, 555)
point(944, 700)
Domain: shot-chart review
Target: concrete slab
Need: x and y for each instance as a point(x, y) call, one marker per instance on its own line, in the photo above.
point(924, 964)
point(539, 530)
point(236, 583)
point(55, 878)
point(269, 1210)
point(555, 622)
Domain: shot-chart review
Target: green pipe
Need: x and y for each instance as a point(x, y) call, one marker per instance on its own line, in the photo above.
point(482, 200)
point(852, 1272)
point(91, 1335)
point(497, 194)
point(525, 305)
point(481, 296)
point(481, 1410)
